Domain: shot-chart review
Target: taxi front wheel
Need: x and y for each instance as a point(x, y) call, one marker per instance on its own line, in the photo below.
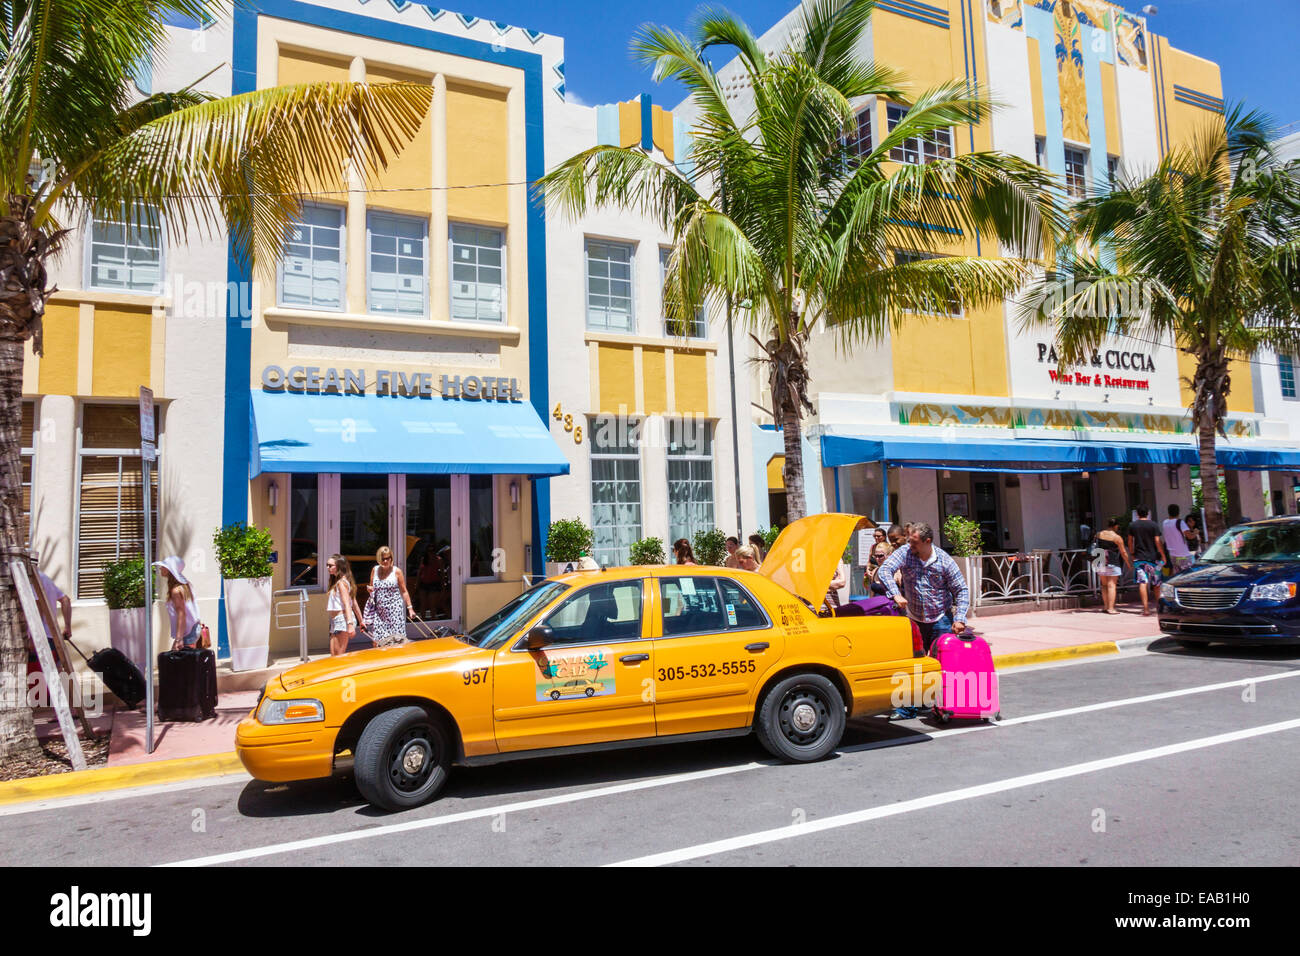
point(402, 758)
point(801, 718)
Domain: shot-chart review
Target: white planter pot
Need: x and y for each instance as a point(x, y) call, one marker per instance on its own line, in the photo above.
point(126, 634)
point(248, 622)
point(564, 567)
point(971, 570)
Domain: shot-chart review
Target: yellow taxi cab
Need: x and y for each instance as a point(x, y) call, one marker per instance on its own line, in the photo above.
point(599, 659)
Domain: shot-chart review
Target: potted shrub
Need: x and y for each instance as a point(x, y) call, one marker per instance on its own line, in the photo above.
point(124, 592)
point(710, 547)
point(568, 542)
point(648, 551)
point(967, 546)
point(244, 556)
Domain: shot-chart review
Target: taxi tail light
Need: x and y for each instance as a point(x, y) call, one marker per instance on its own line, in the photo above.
point(918, 646)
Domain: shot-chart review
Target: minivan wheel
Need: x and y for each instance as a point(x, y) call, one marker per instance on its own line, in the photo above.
point(801, 719)
point(402, 758)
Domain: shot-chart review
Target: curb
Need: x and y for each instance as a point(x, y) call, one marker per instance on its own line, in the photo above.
point(1022, 658)
point(78, 782)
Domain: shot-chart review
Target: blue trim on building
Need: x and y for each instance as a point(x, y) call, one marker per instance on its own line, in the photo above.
point(236, 455)
point(647, 124)
point(915, 11)
point(1162, 107)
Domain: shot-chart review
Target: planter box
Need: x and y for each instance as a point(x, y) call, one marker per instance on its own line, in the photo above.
point(248, 622)
point(971, 570)
point(126, 634)
point(565, 567)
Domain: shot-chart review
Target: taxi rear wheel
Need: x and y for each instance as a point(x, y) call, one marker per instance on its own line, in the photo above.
point(801, 718)
point(402, 758)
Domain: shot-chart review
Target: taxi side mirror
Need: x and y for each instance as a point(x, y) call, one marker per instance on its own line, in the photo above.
point(539, 637)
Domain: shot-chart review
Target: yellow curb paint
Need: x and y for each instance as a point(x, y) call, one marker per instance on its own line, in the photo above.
point(1055, 654)
point(118, 778)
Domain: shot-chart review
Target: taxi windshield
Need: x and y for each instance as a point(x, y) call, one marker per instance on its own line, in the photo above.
point(498, 628)
point(1270, 542)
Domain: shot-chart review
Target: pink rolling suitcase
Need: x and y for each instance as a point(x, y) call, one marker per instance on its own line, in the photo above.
point(970, 684)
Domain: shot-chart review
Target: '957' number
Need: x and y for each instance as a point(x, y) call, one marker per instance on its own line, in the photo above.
point(477, 676)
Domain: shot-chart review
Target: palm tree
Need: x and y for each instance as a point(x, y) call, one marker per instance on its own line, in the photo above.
point(1203, 252)
point(784, 217)
point(72, 141)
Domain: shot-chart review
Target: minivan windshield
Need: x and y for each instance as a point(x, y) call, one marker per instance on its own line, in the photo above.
point(1264, 542)
point(502, 625)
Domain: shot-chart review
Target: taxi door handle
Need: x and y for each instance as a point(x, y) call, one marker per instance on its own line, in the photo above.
point(755, 648)
point(634, 658)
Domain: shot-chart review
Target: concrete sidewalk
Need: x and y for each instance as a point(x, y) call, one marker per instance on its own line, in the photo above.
point(1044, 632)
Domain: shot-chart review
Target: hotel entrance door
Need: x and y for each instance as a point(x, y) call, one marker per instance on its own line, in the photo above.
point(1080, 516)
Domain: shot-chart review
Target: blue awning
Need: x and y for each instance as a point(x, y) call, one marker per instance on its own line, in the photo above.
point(1257, 459)
point(376, 434)
point(1024, 454)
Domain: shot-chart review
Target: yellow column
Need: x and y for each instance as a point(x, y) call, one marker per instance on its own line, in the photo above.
point(439, 278)
point(356, 219)
point(517, 203)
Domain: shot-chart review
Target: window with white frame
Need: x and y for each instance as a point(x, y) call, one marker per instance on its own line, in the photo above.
point(27, 459)
point(126, 250)
point(1076, 172)
point(110, 501)
point(949, 305)
point(615, 488)
point(477, 273)
point(1286, 374)
point(857, 144)
point(690, 477)
point(609, 286)
point(397, 277)
point(312, 270)
point(918, 149)
point(697, 328)
point(1112, 170)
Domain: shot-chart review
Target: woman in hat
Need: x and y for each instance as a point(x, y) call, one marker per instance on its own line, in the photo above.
point(182, 610)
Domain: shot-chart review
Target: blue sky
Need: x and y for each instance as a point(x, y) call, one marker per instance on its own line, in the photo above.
point(1253, 42)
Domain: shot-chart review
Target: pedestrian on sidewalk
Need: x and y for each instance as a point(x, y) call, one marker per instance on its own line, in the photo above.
point(1192, 535)
point(759, 544)
point(733, 543)
point(1113, 556)
point(682, 549)
point(746, 558)
point(384, 618)
point(181, 608)
point(934, 595)
point(1148, 555)
point(341, 604)
point(1174, 534)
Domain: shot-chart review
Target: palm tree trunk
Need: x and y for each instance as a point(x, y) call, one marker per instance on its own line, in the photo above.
point(1214, 525)
point(792, 432)
point(24, 250)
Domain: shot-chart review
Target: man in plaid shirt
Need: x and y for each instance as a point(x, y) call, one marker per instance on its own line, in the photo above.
point(936, 594)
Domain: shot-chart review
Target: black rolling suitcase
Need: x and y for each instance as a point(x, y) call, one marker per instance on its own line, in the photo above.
point(187, 685)
point(118, 673)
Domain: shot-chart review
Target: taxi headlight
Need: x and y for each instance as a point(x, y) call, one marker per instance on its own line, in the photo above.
point(289, 711)
point(1282, 591)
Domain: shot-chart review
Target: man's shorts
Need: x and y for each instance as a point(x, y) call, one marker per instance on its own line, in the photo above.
point(1146, 572)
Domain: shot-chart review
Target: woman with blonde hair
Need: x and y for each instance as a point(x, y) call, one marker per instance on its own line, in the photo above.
point(389, 604)
point(181, 608)
point(342, 604)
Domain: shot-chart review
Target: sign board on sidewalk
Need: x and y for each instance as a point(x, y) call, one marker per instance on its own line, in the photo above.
point(147, 416)
point(866, 539)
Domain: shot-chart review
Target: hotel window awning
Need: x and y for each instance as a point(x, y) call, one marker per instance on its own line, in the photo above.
point(1035, 454)
point(375, 434)
point(1026, 454)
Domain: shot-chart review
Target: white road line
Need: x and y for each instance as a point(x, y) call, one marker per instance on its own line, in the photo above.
point(377, 831)
point(952, 796)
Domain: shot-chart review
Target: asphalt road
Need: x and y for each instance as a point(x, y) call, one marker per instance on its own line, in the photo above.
point(1136, 759)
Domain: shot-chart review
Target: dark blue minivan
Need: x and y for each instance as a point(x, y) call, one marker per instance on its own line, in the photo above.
point(1241, 591)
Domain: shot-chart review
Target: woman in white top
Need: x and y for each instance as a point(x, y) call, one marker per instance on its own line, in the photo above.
point(341, 604)
point(182, 610)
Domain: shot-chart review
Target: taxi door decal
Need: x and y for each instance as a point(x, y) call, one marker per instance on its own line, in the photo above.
point(575, 675)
